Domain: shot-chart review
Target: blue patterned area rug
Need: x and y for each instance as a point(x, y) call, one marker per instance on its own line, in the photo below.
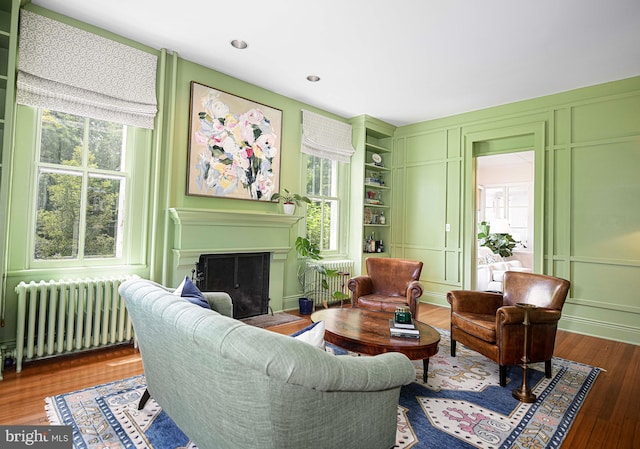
point(461, 406)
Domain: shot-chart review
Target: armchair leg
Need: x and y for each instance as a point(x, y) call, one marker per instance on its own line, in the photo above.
point(143, 400)
point(503, 375)
point(547, 368)
point(453, 348)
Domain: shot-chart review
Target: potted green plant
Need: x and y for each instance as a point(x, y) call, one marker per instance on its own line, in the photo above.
point(289, 200)
point(310, 254)
point(501, 244)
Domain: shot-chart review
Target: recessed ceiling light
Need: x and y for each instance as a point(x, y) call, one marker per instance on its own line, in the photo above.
point(313, 78)
point(237, 43)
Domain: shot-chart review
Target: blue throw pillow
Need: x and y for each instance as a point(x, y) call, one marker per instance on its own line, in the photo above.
point(191, 293)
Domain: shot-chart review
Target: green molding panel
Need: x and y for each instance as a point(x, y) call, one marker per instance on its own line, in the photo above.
point(587, 200)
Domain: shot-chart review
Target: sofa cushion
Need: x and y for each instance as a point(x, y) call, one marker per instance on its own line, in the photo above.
point(494, 258)
point(482, 326)
point(498, 273)
point(191, 293)
point(313, 334)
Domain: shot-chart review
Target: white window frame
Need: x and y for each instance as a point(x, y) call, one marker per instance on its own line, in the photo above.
point(340, 226)
point(506, 187)
point(122, 255)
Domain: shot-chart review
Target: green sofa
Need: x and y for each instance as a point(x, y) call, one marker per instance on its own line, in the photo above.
point(230, 385)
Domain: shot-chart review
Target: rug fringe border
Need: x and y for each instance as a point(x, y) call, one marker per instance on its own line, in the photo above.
point(52, 416)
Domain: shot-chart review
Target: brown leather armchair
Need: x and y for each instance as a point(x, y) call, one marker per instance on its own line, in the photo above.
point(389, 283)
point(491, 324)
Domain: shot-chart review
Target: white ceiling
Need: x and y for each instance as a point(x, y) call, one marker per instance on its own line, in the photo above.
point(403, 62)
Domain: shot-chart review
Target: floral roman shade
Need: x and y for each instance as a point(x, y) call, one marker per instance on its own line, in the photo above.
point(67, 69)
point(325, 137)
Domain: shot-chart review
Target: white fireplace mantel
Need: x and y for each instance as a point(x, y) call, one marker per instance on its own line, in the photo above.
point(219, 216)
point(215, 231)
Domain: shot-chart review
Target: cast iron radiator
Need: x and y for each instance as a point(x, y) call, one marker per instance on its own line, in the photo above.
point(61, 317)
point(322, 296)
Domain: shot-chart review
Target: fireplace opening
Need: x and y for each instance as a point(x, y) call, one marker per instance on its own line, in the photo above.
point(244, 276)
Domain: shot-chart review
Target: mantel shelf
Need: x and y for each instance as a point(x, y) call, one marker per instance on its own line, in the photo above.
point(230, 217)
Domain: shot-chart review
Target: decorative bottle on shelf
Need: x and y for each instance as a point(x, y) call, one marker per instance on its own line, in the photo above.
point(381, 247)
point(382, 219)
point(372, 243)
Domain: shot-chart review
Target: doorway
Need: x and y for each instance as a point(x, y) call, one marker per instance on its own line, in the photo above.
point(501, 140)
point(504, 185)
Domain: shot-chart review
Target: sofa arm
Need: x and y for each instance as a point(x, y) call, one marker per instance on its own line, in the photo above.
point(474, 302)
point(414, 290)
point(359, 286)
point(288, 360)
point(515, 315)
point(220, 302)
point(344, 373)
point(380, 372)
point(483, 277)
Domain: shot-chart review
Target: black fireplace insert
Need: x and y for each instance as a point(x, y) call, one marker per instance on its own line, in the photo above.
point(244, 276)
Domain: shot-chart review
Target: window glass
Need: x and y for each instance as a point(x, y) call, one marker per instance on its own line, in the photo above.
point(81, 188)
point(323, 212)
point(103, 210)
point(61, 134)
point(58, 215)
point(105, 144)
point(511, 202)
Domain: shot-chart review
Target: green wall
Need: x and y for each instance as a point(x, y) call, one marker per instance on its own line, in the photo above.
point(587, 192)
point(587, 198)
point(180, 73)
point(164, 181)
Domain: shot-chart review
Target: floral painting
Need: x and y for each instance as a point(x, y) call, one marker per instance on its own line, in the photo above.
point(234, 146)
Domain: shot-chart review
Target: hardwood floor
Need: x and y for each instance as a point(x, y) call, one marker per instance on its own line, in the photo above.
point(609, 418)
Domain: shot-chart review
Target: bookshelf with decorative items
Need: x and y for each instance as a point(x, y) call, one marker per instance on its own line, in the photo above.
point(372, 189)
point(377, 191)
point(8, 47)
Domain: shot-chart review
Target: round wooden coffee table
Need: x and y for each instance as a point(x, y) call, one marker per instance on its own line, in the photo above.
point(367, 332)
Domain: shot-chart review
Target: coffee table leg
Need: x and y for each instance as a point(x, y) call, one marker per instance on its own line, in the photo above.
point(425, 369)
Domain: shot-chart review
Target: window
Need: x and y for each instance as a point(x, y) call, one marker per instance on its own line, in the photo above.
point(323, 214)
point(81, 188)
point(511, 202)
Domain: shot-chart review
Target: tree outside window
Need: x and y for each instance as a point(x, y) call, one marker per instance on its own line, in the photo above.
point(323, 212)
point(81, 185)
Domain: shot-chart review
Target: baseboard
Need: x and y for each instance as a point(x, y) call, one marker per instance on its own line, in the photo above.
point(600, 329)
point(592, 328)
point(435, 298)
point(290, 303)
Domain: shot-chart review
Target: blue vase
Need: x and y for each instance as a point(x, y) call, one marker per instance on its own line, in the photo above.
point(306, 306)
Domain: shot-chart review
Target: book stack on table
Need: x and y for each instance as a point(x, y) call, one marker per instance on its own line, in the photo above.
point(403, 330)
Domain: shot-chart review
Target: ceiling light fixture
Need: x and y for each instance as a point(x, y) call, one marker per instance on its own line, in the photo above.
point(313, 78)
point(240, 45)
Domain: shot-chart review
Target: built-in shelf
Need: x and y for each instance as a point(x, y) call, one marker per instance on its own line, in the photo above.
point(376, 148)
point(376, 216)
point(375, 167)
point(8, 48)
